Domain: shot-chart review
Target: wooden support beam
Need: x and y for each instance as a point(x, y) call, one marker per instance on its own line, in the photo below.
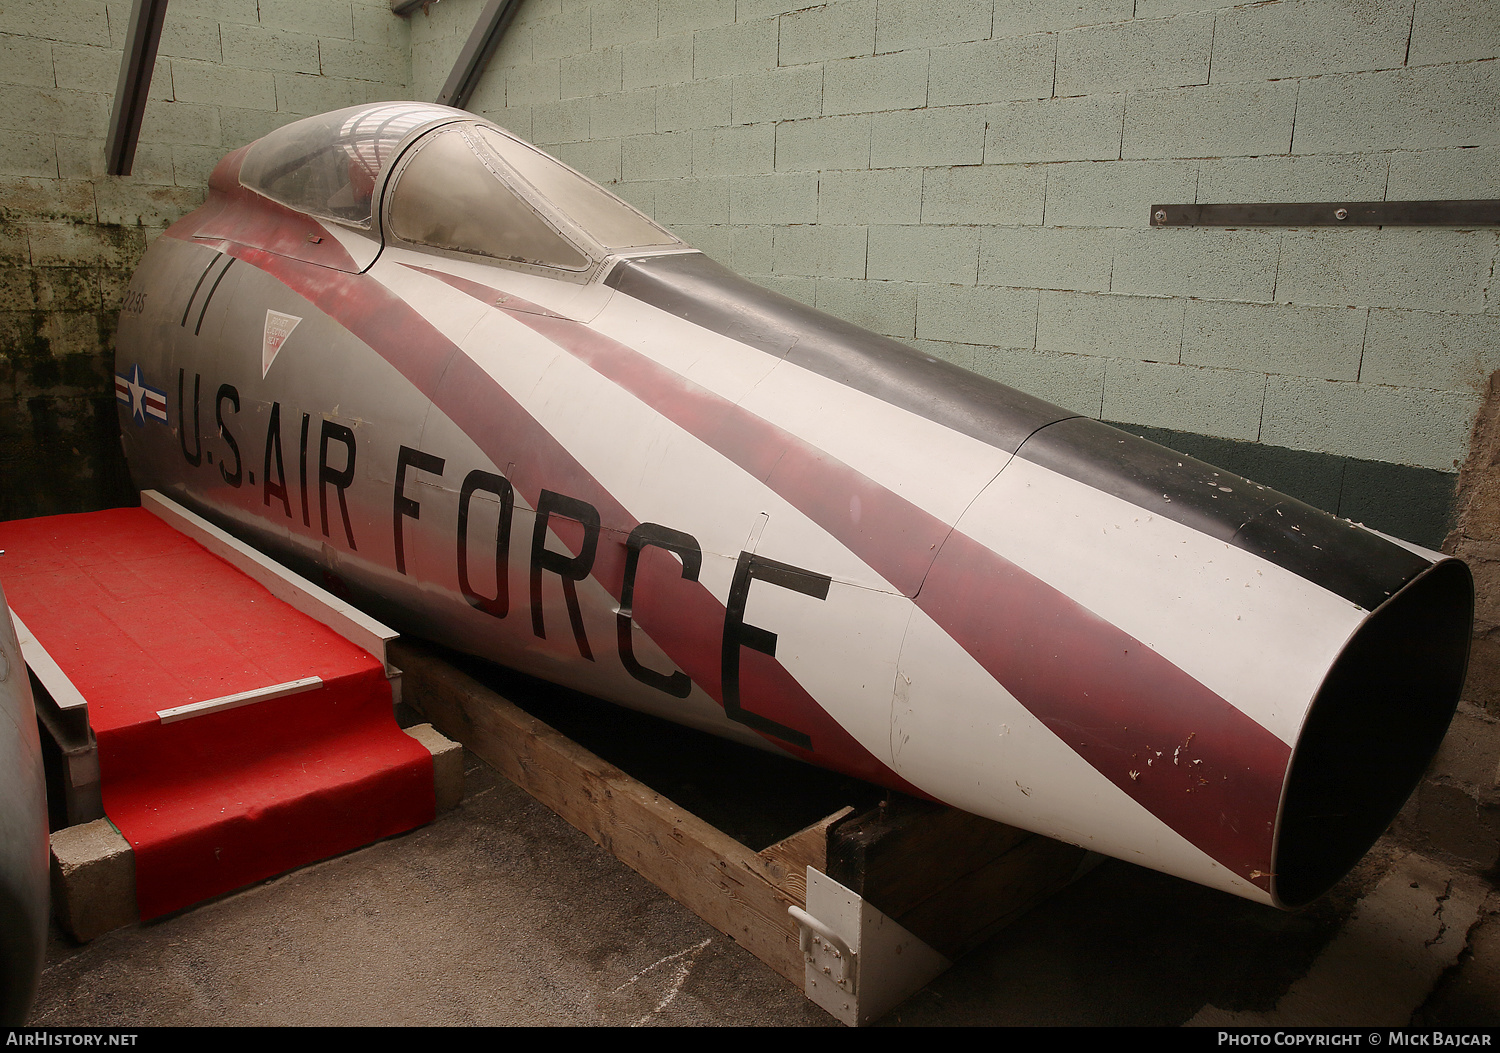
point(948, 877)
point(742, 893)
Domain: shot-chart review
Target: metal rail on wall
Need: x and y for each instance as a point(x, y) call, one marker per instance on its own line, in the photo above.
point(1481, 213)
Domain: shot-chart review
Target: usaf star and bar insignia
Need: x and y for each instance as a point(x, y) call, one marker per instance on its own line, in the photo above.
point(144, 400)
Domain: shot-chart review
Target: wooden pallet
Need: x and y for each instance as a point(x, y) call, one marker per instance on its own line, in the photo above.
point(949, 878)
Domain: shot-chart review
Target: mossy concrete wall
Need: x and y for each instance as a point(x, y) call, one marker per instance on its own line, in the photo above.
point(1457, 809)
point(227, 72)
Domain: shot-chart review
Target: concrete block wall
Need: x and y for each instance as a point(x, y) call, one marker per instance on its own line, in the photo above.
point(227, 71)
point(974, 177)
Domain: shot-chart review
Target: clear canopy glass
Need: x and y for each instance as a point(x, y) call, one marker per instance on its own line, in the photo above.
point(470, 187)
point(328, 165)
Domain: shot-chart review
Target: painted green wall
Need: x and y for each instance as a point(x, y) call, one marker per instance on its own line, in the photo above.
point(974, 177)
point(971, 176)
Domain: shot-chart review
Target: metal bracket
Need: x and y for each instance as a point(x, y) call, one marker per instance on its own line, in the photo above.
point(1482, 213)
point(859, 963)
point(825, 952)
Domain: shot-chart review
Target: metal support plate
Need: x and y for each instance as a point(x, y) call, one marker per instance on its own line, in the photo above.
point(860, 964)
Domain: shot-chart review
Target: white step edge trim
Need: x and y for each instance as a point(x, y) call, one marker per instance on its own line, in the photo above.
point(62, 690)
point(243, 698)
point(296, 591)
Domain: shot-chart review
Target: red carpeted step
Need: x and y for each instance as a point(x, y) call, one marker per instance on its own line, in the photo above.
point(143, 619)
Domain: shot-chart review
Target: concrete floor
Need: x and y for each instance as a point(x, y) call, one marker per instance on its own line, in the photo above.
point(500, 913)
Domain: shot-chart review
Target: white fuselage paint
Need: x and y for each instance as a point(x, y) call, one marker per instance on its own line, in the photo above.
point(916, 527)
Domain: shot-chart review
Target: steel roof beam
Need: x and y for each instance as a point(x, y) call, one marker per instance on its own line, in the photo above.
point(482, 42)
point(136, 65)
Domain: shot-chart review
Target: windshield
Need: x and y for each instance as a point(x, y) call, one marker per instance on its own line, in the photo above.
point(449, 198)
point(474, 189)
point(468, 187)
point(610, 221)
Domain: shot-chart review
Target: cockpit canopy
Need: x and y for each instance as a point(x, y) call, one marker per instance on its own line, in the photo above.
point(451, 182)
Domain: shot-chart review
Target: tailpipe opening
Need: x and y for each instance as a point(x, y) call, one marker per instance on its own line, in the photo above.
point(1372, 730)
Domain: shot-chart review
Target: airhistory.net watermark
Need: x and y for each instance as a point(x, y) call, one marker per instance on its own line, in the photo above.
point(69, 1038)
